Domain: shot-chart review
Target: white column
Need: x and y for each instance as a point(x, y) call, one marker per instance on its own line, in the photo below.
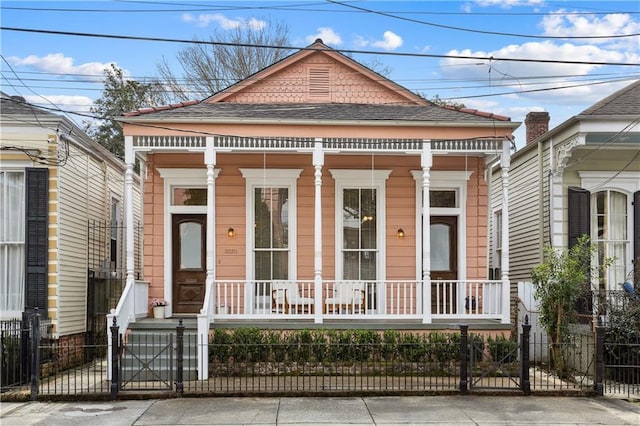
point(318, 162)
point(426, 161)
point(129, 159)
point(210, 161)
point(205, 318)
point(505, 163)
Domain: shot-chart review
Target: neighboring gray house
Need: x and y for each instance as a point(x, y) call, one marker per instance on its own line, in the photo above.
point(62, 204)
point(582, 177)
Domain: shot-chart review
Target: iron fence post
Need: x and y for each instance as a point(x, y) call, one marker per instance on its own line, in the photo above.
point(35, 353)
point(464, 351)
point(115, 354)
point(180, 358)
point(525, 383)
point(599, 384)
point(24, 347)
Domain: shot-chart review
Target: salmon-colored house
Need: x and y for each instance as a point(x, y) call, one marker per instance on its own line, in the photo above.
point(317, 190)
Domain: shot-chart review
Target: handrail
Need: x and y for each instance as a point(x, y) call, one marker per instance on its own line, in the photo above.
point(131, 305)
point(205, 317)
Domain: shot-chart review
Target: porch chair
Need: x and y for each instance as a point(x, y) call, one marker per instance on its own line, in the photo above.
point(347, 297)
point(286, 297)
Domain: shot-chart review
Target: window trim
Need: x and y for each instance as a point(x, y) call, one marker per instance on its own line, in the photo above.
point(626, 182)
point(361, 179)
point(444, 179)
point(195, 177)
point(273, 178)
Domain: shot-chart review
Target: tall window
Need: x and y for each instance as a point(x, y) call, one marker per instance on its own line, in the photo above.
point(359, 247)
point(12, 228)
point(609, 231)
point(271, 237)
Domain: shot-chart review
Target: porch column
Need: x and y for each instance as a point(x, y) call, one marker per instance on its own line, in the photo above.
point(205, 317)
point(210, 161)
point(318, 162)
point(426, 161)
point(129, 159)
point(505, 162)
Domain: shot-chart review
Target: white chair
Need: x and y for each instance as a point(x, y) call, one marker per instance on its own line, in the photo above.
point(286, 297)
point(347, 297)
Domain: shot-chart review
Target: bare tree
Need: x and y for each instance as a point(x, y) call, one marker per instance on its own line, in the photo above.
point(228, 58)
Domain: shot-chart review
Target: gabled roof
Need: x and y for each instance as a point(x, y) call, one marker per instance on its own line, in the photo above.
point(300, 56)
point(223, 106)
point(625, 101)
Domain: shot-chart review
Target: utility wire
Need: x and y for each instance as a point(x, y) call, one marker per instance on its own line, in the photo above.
point(351, 51)
point(449, 27)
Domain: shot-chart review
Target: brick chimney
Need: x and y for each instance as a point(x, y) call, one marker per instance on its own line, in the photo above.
point(537, 124)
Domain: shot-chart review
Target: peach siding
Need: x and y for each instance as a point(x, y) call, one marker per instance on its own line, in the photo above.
point(231, 212)
point(291, 85)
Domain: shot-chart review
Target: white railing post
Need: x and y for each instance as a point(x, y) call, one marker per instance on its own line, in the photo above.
point(318, 162)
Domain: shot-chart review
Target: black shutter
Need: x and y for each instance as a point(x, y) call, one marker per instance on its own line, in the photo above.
point(36, 238)
point(579, 214)
point(636, 235)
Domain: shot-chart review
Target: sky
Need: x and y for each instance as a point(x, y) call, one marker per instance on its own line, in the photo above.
point(507, 57)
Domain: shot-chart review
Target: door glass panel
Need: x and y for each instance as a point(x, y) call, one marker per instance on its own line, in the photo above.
point(440, 247)
point(190, 245)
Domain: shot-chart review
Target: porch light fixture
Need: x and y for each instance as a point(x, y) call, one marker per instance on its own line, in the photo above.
point(231, 232)
point(400, 233)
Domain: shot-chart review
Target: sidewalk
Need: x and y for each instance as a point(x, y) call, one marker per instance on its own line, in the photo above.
point(414, 410)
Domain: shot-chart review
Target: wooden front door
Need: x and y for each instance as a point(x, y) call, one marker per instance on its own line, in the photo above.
point(444, 262)
point(189, 262)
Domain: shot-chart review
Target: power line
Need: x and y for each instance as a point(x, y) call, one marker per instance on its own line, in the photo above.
point(450, 27)
point(267, 46)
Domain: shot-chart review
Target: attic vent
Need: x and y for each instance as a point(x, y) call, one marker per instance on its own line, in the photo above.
point(318, 83)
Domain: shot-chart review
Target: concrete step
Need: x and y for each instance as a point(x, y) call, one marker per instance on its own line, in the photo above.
point(150, 353)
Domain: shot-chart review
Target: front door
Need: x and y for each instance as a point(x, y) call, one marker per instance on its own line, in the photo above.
point(444, 263)
point(189, 262)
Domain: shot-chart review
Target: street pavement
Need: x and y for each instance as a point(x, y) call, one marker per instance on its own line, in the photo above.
point(388, 410)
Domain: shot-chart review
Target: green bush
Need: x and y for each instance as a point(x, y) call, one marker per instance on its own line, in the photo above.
point(502, 350)
point(330, 345)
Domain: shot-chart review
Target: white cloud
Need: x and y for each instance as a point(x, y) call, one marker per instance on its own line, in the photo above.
point(66, 103)
point(571, 25)
point(534, 50)
point(204, 19)
point(390, 41)
point(58, 63)
point(328, 36)
point(507, 3)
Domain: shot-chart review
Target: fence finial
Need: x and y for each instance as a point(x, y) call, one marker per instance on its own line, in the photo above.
point(526, 319)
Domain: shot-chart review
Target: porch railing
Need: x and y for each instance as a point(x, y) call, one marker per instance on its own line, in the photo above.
point(392, 299)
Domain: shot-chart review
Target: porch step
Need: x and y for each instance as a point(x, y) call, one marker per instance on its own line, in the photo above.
point(150, 351)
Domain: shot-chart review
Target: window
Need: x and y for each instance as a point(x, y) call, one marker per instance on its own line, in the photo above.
point(609, 231)
point(494, 271)
point(181, 196)
point(271, 237)
point(115, 231)
point(360, 198)
point(12, 230)
point(442, 198)
point(359, 234)
point(271, 225)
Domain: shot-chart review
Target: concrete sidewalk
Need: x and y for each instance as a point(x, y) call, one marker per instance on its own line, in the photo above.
point(414, 410)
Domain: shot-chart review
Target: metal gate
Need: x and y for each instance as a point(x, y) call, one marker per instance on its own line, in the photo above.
point(494, 365)
point(147, 362)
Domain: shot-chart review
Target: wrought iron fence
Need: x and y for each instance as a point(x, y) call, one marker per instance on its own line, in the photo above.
point(452, 362)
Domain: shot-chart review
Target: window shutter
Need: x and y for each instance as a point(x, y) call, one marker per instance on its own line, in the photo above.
point(36, 238)
point(636, 234)
point(579, 214)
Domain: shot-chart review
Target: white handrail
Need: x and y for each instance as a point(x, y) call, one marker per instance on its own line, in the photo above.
point(131, 305)
point(205, 317)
